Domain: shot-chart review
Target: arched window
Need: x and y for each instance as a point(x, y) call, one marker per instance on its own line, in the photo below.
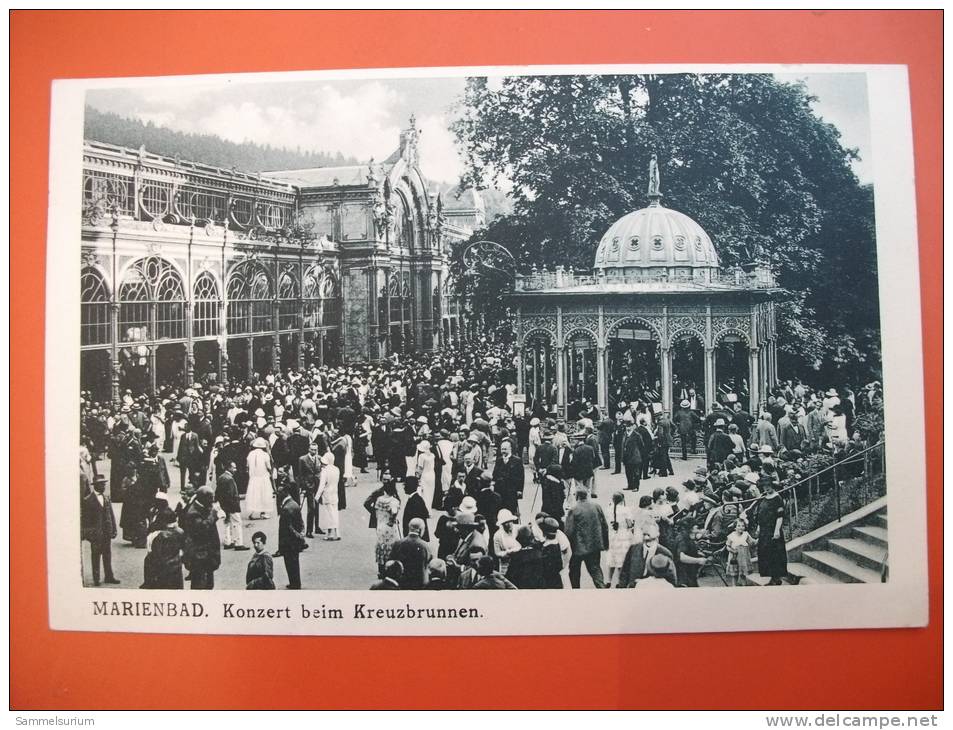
point(94, 310)
point(249, 299)
point(151, 302)
point(288, 304)
point(205, 322)
point(404, 228)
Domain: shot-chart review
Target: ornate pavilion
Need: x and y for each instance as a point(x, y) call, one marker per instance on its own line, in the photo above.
point(192, 272)
point(657, 320)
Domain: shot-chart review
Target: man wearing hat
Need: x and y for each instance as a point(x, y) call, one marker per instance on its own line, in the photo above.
point(98, 527)
point(720, 444)
point(202, 547)
point(508, 476)
point(588, 534)
point(632, 457)
point(686, 422)
point(471, 539)
point(162, 566)
point(291, 541)
point(226, 494)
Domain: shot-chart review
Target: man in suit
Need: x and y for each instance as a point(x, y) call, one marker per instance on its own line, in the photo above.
point(588, 534)
point(416, 508)
point(309, 473)
point(606, 429)
point(720, 445)
point(663, 442)
point(686, 421)
point(202, 546)
point(189, 458)
point(508, 477)
point(618, 438)
point(471, 476)
point(743, 420)
point(637, 559)
point(632, 457)
point(98, 527)
point(583, 467)
point(413, 554)
point(290, 538)
point(226, 494)
point(545, 454)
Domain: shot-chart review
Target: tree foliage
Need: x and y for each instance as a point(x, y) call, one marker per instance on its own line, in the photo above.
point(744, 155)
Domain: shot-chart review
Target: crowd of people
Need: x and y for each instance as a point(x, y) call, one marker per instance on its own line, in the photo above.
point(447, 443)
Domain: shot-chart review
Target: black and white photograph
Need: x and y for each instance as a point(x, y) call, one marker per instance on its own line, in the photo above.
point(652, 331)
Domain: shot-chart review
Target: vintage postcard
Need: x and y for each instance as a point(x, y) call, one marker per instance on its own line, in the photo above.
point(448, 351)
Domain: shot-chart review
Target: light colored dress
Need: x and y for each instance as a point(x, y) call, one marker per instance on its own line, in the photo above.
point(259, 497)
point(328, 497)
point(349, 461)
point(386, 509)
point(739, 553)
point(621, 533)
point(424, 470)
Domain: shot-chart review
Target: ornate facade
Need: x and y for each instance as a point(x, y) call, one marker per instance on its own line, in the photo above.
point(191, 272)
point(657, 319)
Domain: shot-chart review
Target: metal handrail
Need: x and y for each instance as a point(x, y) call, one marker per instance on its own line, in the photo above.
point(816, 474)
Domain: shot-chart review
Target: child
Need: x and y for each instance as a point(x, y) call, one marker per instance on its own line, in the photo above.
point(738, 544)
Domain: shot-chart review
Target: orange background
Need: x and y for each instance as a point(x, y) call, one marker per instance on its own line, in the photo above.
point(888, 669)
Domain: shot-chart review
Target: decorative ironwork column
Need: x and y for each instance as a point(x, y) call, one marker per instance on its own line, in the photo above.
point(709, 377)
point(755, 387)
point(601, 384)
point(666, 367)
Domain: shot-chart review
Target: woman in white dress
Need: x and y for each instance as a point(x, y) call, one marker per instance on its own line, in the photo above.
point(260, 497)
point(424, 470)
point(621, 533)
point(327, 496)
point(535, 440)
point(178, 423)
point(349, 479)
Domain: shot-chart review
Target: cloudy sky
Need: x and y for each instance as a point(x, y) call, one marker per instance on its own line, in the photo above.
point(363, 118)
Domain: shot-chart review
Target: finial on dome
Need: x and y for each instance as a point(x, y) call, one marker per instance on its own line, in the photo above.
point(655, 192)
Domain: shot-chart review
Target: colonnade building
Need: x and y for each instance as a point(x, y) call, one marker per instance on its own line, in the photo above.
point(195, 273)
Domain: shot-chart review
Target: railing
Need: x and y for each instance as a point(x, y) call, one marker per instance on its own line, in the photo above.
point(759, 278)
point(828, 494)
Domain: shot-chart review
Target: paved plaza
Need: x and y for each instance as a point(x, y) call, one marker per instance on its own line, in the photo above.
point(349, 563)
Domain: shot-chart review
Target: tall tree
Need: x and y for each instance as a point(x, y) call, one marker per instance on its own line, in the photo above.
point(743, 154)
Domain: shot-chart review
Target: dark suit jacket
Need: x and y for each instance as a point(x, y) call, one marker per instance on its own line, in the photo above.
point(633, 567)
point(309, 473)
point(508, 482)
point(414, 555)
point(472, 480)
point(290, 527)
point(226, 493)
point(632, 449)
point(97, 522)
point(545, 455)
point(587, 529)
point(416, 507)
point(583, 462)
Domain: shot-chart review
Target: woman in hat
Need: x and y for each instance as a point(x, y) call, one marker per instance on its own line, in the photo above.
point(386, 509)
point(424, 470)
point(260, 497)
point(327, 496)
point(772, 553)
point(621, 533)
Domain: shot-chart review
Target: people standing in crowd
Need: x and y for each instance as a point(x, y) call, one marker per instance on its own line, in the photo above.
point(621, 533)
point(202, 546)
point(260, 573)
point(413, 411)
point(226, 494)
point(291, 539)
point(588, 533)
point(632, 457)
point(98, 528)
point(327, 496)
point(259, 499)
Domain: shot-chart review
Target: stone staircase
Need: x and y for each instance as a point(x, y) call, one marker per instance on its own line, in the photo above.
point(852, 551)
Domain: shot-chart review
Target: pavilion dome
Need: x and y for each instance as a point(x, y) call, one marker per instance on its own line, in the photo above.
point(655, 237)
